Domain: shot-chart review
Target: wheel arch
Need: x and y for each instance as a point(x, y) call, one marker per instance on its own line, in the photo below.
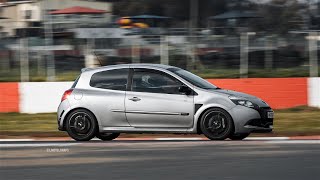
point(202, 110)
point(75, 109)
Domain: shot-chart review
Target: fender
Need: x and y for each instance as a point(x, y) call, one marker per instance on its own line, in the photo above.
point(204, 108)
point(77, 106)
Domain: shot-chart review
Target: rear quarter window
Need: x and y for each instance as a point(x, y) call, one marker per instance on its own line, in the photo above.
point(115, 79)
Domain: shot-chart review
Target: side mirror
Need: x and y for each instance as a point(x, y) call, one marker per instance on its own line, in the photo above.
point(185, 90)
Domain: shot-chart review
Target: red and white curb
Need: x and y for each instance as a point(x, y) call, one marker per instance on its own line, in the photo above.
point(66, 139)
point(249, 138)
point(63, 142)
point(13, 140)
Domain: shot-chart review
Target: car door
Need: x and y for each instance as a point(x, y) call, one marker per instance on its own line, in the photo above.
point(154, 100)
point(106, 96)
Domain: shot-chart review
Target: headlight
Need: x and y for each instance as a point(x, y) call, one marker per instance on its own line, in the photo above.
point(242, 102)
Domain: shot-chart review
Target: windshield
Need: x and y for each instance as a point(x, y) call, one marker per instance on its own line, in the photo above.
point(193, 79)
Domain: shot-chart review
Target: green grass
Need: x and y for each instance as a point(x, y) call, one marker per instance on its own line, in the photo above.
point(297, 121)
point(14, 76)
point(294, 121)
point(18, 124)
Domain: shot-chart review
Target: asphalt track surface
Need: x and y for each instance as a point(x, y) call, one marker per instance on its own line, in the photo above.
point(177, 159)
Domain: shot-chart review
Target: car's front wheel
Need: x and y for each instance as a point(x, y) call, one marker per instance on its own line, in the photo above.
point(81, 125)
point(216, 124)
point(107, 136)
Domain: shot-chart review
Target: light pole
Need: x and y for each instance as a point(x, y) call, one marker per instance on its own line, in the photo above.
point(24, 58)
point(244, 53)
point(135, 51)
point(193, 22)
point(49, 42)
point(268, 53)
point(313, 37)
point(164, 50)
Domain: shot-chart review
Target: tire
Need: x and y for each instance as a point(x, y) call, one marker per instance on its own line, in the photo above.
point(238, 137)
point(107, 136)
point(216, 124)
point(81, 125)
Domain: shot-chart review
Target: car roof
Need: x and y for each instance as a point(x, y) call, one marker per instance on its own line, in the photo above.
point(136, 65)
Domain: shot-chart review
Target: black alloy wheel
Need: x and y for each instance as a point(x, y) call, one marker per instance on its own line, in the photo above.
point(81, 125)
point(216, 124)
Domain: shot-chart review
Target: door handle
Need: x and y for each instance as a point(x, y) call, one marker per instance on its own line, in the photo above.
point(135, 99)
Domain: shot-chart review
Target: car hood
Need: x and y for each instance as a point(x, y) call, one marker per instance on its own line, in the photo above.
point(245, 96)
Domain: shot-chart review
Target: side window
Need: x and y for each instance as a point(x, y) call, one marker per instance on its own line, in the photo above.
point(112, 79)
point(153, 81)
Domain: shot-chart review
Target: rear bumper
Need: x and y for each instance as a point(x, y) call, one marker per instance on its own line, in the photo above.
point(62, 109)
point(60, 128)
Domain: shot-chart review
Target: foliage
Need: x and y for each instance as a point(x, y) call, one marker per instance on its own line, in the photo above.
point(278, 16)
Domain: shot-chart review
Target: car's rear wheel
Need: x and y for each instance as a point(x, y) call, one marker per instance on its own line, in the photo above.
point(216, 124)
point(239, 136)
point(81, 125)
point(107, 136)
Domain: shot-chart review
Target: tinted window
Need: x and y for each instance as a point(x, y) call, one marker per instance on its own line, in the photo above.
point(154, 82)
point(113, 79)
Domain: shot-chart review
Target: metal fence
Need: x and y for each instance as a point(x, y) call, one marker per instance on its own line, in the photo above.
point(211, 55)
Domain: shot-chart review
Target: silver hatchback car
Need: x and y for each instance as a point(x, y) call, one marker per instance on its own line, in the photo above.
point(154, 98)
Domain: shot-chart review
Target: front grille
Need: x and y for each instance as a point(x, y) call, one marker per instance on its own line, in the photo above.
point(264, 121)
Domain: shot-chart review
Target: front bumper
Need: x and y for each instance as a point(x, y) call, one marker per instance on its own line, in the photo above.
point(248, 120)
point(257, 129)
point(263, 124)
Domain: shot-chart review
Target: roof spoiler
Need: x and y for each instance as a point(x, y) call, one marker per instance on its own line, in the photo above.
point(86, 69)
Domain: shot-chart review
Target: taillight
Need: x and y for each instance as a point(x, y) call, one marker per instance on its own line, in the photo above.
point(66, 94)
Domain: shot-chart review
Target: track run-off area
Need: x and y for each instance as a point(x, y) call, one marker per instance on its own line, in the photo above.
point(161, 158)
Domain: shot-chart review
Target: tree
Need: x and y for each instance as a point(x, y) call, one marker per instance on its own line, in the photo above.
point(179, 10)
point(280, 16)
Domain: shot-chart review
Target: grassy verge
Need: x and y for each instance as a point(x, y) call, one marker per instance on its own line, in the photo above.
point(295, 121)
point(18, 124)
point(14, 76)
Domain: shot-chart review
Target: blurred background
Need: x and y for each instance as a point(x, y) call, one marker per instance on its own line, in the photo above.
point(51, 40)
point(232, 40)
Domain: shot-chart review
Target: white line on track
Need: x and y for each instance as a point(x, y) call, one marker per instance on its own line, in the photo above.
point(178, 139)
point(38, 145)
point(10, 140)
point(169, 139)
point(267, 138)
point(249, 138)
point(35, 143)
point(295, 142)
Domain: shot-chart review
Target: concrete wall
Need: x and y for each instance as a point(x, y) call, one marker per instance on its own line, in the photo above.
point(41, 97)
point(279, 93)
point(314, 92)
